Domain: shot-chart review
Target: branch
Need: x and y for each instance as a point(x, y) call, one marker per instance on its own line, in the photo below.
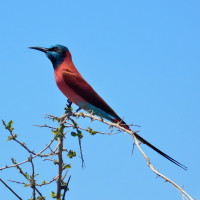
point(60, 163)
point(38, 154)
point(93, 118)
point(11, 190)
point(33, 177)
point(25, 175)
point(79, 140)
point(14, 136)
point(47, 183)
point(87, 129)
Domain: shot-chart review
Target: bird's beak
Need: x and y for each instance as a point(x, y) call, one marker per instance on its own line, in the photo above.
point(45, 50)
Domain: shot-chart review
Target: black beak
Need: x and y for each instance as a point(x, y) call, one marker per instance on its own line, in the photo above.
point(45, 50)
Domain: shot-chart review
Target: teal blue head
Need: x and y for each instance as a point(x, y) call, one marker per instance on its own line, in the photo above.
point(56, 53)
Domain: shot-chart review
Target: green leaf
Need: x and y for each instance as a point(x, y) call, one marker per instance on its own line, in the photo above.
point(26, 175)
point(80, 135)
point(26, 185)
point(9, 138)
point(91, 131)
point(53, 194)
point(54, 119)
point(68, 166)
point(41, 198)
point(71, 154)
point(58, 132)
point(36, 175)
point(56, 137)
point(61, 129)
point(55, 131)
point(43, 182)
point(9, 125)
point(73, 134)
point(67, 110)
point(55, 162)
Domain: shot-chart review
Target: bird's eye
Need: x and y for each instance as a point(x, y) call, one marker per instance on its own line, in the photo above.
point(54, 49)
point(57, 50)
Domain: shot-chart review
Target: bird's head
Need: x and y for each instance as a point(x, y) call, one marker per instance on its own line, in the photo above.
point(56, 53)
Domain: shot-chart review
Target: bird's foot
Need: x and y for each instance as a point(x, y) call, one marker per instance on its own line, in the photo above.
point(69, 103)
point(68, 107)
point(77, 110)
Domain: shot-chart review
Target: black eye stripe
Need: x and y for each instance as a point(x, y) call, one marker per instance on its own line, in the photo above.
point(60, 51)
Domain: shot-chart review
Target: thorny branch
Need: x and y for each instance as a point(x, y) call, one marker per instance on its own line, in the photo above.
point(64, 123)
point(93, 118)
point(25, 176)
point(56, 152)
point(36, 155)
point(46, 183)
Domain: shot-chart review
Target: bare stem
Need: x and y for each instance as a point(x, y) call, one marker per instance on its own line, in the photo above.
point(37, 155)
point(33, 177)
point(79, 141)
point(11, 189)
point(60, 164)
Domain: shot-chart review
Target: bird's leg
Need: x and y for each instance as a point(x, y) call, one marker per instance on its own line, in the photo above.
point(78, 109)
point(69, 103)
point(68, 108)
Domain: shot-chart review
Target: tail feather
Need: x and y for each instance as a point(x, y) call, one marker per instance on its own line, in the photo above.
point(123, 124)
point(160, 152)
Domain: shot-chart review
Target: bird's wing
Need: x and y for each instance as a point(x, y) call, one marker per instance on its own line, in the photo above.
point(83, 89)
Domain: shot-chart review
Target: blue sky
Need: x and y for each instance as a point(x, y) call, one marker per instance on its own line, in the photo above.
point(142, 57)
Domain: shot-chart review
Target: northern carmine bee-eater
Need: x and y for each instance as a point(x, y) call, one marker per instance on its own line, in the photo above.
point(78, 91)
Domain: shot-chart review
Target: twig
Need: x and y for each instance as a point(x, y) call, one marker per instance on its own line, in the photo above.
point(158, 173)
point(79, 140)
point(47, 183)
point(38, 154)
point(45, 126)
point(16, 140)
point(64, 175)
point(86, 129)
point(11, 190)
point(17, 182)
point(21, 172)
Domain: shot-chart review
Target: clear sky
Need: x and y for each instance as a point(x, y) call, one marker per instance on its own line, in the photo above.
point(142, 57)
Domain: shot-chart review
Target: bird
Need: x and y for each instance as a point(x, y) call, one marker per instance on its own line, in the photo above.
point(78, 91)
